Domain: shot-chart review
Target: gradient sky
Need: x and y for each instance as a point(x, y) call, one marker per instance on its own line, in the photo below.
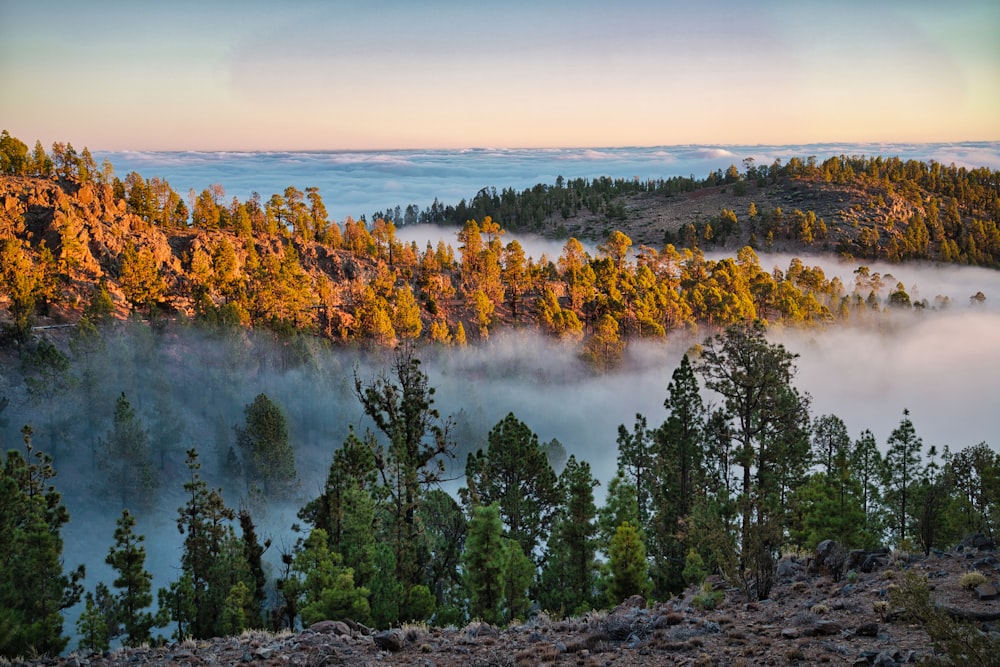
point(382, 74)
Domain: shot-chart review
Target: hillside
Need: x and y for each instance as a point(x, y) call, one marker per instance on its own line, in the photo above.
point(285, 266)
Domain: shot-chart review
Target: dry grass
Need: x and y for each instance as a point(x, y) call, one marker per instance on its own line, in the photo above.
point(537, 655)
point(265, 635)
point(970, 580)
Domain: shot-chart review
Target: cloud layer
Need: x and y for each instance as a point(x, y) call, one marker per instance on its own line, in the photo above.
point(361, 183)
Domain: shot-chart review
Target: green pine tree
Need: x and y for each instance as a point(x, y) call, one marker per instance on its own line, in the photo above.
point(327, 587)
point(483, 565)
point(627, 561)
point(268, 457)
point(92, 625)
point(514, 473)
point(34, 589)
point(127, 458)
point(568, 576)
point(902, 460)
point(212, 563)
point(128, 558)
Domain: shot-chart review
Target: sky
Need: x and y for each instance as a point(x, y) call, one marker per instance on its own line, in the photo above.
point(390, 74)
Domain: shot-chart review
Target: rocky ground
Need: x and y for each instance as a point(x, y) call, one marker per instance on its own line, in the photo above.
point(810, 618)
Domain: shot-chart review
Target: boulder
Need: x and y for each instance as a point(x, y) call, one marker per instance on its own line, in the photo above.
point(867, 630)
point(634, 602)
point(390, 640)
point(829, 558)
point(987, 563)
point(338, 628)
point(822, 629)
point(871, 562)
point(787, 568)
point(976, 542)
point(986, 591)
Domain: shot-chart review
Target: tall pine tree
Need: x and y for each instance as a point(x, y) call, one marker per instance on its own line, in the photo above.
point(567, 580)
point(135, 585)
point(34, 589)
point(902, 461)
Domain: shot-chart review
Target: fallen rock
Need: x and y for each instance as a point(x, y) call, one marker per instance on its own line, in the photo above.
point(789, 633)
point(331, 628)
point(987, 563)
point(867, 630)
point(634, 602)
point(822, 629)
point(390, 640)
point(986, 591)
point(871, 562)
point(976, 542)
point(829, 558)
point(787, 568)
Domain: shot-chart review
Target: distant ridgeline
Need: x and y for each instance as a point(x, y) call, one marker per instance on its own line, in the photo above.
point(78, 241)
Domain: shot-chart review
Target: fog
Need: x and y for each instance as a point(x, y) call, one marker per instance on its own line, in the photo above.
point(356, 183)
point(941, 364)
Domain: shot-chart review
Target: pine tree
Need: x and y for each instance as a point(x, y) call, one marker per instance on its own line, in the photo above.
point(127, 458)
point(769, 422)
point(402, 408)
point(604, 348)
point(902, 459)
point(93, 623)
point(519, 573)
point(483, 565)
point(627, 560)
point(254, 552)
point(140, 280)
point(445, 529)
point(212, 563)
point(34, 590)
point(21, 282)
point(635, 463)
point(128, 558)
point(406, 314)
point(680, 455)
point(353, 467)
point(327, 589)
point(514, 472)
point(268, 457)
point(867, 467)
point(568, 576)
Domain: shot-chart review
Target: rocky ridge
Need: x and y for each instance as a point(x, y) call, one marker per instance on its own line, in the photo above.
point(821, 611)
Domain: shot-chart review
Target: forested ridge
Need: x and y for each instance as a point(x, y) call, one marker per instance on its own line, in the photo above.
point(165, 298)
point(75, 234)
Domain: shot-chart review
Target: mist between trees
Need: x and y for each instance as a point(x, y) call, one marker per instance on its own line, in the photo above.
point(425, 488)
point(265, 448)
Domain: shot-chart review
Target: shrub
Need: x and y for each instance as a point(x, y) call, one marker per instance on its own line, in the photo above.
point(819, 609)
point(694, 568)
point(852, 577)
point(963, 643)
point(970, 580)
point(707, 599)
point(794, 654)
